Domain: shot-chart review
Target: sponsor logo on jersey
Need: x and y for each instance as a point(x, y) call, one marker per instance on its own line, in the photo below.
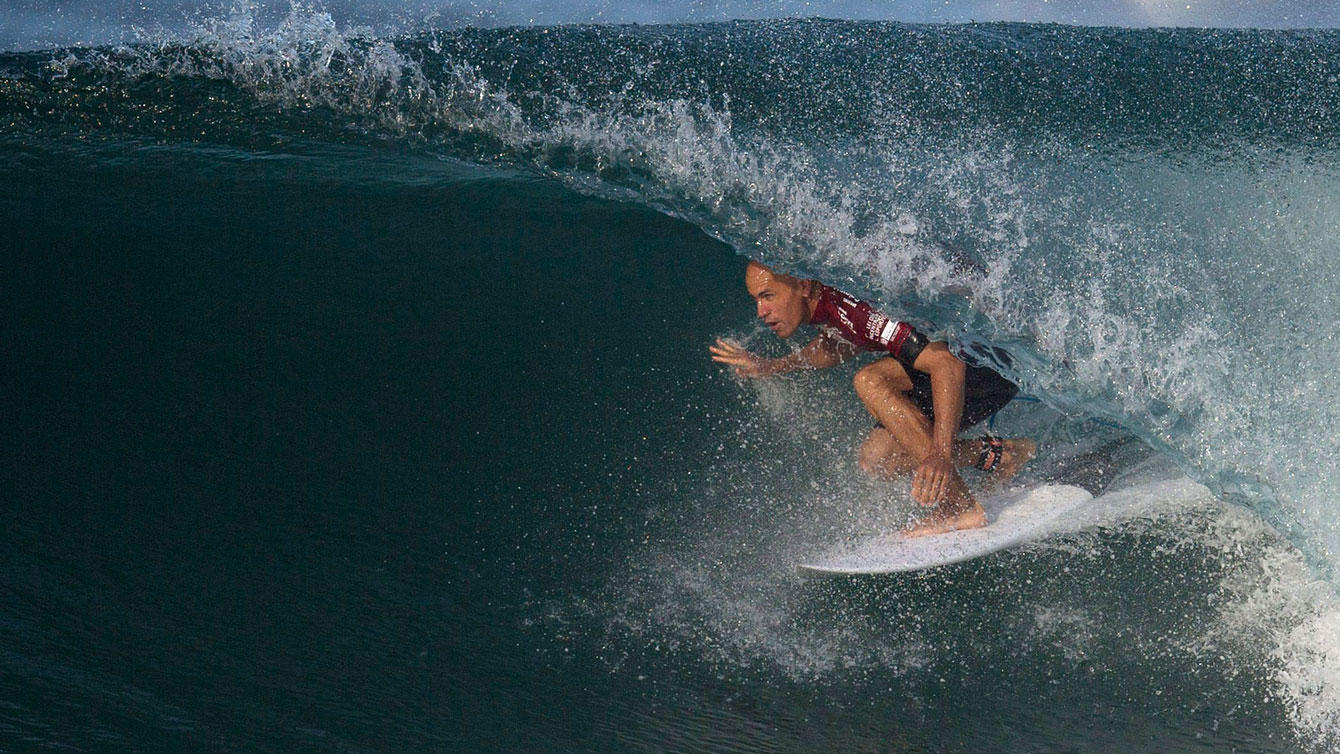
point(889, 330)
point(878, 328)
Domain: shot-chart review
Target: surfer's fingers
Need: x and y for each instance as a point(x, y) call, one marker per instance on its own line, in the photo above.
point(728, 345)
point(920, 488)
point(941, 490)
point(929, 486)
point(935, 492)
point(732, 359)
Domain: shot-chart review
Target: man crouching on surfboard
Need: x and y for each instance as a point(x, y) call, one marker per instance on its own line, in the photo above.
point(920, 394)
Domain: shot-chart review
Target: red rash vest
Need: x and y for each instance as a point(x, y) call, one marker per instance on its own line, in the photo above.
point(863, 326)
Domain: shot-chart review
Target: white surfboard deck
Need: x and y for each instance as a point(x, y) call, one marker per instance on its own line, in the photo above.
point(1014, 518)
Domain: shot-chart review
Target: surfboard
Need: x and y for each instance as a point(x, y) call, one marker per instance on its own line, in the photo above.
point(1014, 518)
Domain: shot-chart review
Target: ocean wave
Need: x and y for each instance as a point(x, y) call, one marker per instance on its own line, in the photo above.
point(1152, 244)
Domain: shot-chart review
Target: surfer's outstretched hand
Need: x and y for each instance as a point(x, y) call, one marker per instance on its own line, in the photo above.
point(930, 482)
point(746, 364)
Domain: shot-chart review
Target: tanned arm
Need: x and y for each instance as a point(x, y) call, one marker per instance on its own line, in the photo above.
point(931, 479)
point(947, 374)
point(822, 352)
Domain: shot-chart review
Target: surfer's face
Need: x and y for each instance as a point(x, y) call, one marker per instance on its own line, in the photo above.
point(780, 299)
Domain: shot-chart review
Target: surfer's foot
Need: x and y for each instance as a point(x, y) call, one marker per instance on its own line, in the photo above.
point(943, 523)
point(1017, 452)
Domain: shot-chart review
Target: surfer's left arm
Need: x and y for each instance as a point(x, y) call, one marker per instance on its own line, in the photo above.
point(930, 482)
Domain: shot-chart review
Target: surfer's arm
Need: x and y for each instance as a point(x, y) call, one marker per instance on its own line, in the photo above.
point(947, 379)
point(930, 480)
point(826, 350)
point(822, 352)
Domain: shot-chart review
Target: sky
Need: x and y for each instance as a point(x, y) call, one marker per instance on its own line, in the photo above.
point(40, 24)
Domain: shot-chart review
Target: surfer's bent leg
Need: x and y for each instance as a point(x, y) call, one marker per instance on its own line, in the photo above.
point(986, 392)
point(883, 387)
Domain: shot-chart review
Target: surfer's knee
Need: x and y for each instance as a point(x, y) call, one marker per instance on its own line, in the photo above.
point(880, 378)
point(862, 382)
point(869, 382)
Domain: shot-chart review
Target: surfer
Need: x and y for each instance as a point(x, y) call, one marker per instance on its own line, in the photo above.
point(920, 394)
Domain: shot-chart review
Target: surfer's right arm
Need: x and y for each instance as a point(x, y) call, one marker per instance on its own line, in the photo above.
point(822, 352)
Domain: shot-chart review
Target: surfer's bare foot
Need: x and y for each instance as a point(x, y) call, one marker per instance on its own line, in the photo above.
point(1017, 452)
point(943, 523)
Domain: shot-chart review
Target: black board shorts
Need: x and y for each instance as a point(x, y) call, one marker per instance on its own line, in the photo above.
point(984, 393)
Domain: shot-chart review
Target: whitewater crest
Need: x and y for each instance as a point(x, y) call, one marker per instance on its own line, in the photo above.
point(306, 64)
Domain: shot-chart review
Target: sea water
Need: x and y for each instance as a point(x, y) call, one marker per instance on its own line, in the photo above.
point(357, 395)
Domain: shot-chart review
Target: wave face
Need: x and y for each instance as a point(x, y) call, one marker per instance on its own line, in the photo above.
point(1146, 221)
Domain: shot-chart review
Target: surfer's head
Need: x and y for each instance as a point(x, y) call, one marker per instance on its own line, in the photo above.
point(783, 300)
